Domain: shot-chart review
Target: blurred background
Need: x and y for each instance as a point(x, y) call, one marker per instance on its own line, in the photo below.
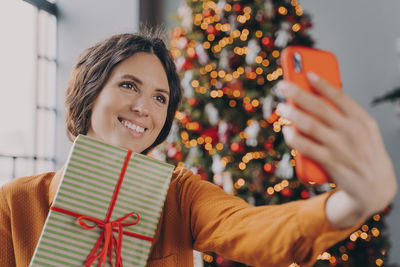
point(40, 41)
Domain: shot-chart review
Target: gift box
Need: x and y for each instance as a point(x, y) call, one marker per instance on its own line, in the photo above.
point(106, 209)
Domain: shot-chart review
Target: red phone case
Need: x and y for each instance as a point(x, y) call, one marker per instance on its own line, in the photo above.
point(324, 64)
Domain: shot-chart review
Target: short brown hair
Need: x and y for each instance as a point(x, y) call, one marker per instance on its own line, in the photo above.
point(94, 67)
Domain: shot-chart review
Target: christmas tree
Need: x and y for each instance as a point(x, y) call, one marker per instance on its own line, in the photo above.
point(228, 131)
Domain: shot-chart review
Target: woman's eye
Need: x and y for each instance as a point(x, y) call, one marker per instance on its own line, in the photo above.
point(161, 99)
point(128, 85)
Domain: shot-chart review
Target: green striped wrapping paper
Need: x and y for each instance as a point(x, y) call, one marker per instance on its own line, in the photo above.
point(87, 187)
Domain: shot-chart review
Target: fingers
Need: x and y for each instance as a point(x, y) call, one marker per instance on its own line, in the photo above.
point(337, 97)
point(303, 144)
point(318, 133)
point(313, 104)
point(307, 124)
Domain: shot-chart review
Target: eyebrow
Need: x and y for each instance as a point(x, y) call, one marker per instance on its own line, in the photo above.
point(137, 80)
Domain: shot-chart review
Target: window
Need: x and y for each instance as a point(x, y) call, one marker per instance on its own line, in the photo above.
point(27, 87)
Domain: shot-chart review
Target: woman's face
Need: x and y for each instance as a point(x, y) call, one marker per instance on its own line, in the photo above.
point(131, 109)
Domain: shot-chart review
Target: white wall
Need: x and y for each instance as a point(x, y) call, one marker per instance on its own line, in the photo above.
point(363, 33)
point(82, 23)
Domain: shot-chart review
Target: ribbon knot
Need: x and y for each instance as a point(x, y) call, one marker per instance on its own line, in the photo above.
point(107, 238)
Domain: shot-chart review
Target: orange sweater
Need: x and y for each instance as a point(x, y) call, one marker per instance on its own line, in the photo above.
point(197, 215)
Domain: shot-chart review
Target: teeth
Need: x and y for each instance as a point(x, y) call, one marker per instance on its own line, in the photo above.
point(133, 127)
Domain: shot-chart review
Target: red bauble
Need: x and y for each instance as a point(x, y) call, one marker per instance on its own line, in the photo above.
point(350, 245)
point(237, 147)
point(287, 192)
point(171, 150)
point(268, 145)
point(211, 132)
point(269, 168)
point(202, 174)
point(249, 107)
point(211, 30)
point(178, 156)
point(267, 42)
point(238, 7)
point(208, 12)
point(222, 262)
point(290, 18)
point(188, 65)
point(305, 194)
point(192, 102)
point(235, 61)
point(196, 127)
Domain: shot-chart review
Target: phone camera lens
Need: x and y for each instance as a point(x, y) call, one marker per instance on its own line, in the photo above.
point(297, 62)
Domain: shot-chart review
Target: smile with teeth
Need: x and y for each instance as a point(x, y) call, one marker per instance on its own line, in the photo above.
point(132, 126)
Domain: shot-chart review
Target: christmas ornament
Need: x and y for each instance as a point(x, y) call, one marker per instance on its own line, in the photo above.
point(227, 182)
point(212, 133)
point(238, 7)
point(191, 157)
point(223, 128)
point(172, 150)
point(184, 12)
point(173, 135)
point(305, 194)
point(268, 168)
point(186, 83)
point(235, 61)
point(179, 63)
point(221, 6)
point(158, 154)
point(202, 55)
point(237, 147)
point(192, 101)
point(232, 22)
point(254, 49)
point(287, 192)
point(182, 43)
point(267, 43)
point(252, 133)
point(268, 106)
point(268, 145)
point(212, 114)
point(283, 35)
point(269, 11)
point(224, 60)
point(284, 169)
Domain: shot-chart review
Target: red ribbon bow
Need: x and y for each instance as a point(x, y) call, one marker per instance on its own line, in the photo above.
point(108, 227)
point(108, 238)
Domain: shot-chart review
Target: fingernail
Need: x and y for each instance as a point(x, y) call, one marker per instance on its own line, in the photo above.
point(287, 132)
point(312, 76)
point(283, 109)
point(284, 87)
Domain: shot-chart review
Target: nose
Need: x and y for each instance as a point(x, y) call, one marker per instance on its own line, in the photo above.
point(141, 107)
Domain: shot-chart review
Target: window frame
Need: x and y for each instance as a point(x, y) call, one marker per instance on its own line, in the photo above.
point(51, 9)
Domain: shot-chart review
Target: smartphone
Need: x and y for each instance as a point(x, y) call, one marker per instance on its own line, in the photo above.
point(296, 61)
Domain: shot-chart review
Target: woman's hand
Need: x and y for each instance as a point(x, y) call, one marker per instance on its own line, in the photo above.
point(347, 143)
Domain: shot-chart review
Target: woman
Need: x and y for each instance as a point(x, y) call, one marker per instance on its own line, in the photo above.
point(125, 91)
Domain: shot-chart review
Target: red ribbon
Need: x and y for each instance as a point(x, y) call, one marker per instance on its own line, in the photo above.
point(107, 237)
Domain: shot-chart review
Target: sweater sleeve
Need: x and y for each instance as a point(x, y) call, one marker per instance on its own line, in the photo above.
point(273, 235)
point(7, 252)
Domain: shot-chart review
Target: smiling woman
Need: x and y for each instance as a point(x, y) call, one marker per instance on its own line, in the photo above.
point(146, 81)
point(125, 91)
